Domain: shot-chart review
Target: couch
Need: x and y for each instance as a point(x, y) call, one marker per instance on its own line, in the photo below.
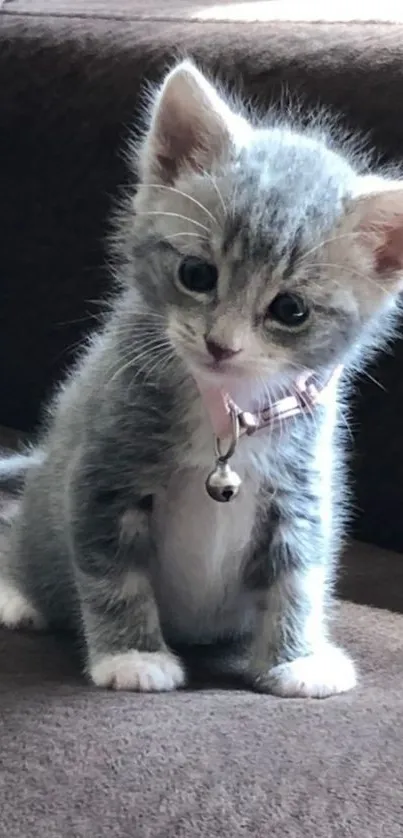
point(214, 759)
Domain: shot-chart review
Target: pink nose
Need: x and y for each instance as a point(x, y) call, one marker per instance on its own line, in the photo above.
point(220, 352)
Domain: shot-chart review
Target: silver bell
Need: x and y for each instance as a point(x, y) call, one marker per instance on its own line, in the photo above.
point(223, 483)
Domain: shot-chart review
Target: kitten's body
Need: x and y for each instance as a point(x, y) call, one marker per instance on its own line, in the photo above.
point(203, 549)
point(115, 534)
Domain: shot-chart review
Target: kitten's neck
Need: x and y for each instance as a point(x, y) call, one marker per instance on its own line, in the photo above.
point(255, 411)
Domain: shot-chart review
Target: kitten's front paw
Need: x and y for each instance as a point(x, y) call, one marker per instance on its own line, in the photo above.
point(16, 611)
point(320, 675)
point(139, 671)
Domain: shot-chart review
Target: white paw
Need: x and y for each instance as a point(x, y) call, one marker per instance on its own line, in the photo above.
point(140, 671)
point(16, 611)
point(320, 675)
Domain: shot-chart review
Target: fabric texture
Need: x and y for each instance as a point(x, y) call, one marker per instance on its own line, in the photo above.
point(240, 10)
point(208, 761)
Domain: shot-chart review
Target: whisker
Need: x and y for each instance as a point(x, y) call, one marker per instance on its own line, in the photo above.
point(138, 330)
point(140, 371)
point(270, 399)
point(283, 394)
point(340, 415)
point(374, 380)
point(141, 327)
point(146, 350)
point(215, 186)
point(175, 215)
point(92, 316)
point(196, 235)
point(141, 320)
point(321, 244)
point(267, 393)
point(184, 195)
point(152, 315)
point(234, 198)
point(72, 348)
point(138, 343)
point(141, 337)
point(161, 362)
point(354, 271)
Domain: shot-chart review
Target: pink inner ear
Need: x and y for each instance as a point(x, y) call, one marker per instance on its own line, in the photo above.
point(176, 141)
point(389, 254)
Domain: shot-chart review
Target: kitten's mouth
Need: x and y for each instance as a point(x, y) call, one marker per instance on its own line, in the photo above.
point(217, 370)
point(228, 382)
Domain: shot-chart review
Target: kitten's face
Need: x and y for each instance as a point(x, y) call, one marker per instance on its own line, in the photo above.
point(255, 255)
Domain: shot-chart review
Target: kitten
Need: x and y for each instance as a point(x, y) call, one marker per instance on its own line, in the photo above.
point(250, 255)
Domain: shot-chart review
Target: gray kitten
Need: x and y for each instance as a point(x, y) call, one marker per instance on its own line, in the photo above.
point(251, 255)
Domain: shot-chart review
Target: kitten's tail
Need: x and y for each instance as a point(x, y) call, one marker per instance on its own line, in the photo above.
point(13, 472)
point(14, 469)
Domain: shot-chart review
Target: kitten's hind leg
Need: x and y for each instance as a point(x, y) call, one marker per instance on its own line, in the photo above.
point(16, 609)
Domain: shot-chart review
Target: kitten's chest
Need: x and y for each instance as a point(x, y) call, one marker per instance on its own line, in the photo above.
point(201, 549)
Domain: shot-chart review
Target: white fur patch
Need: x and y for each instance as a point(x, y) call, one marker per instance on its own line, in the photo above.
point(320, 675)
point(201, 546)
point(139, 671)
point(130, 586)
point(130, 524)
point(16, 611)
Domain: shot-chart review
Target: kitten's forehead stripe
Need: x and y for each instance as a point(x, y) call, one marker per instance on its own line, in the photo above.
point(294, 254)
point(232, 232)
point(264, 228)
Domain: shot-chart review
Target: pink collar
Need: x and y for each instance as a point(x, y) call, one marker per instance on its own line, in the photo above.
point(308, 391)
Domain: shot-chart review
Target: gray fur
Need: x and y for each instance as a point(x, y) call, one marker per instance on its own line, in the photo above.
point(115, 535)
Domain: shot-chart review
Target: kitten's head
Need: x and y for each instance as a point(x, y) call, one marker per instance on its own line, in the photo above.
point(261, 247)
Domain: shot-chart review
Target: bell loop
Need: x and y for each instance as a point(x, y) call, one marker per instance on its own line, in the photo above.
point(224, 456)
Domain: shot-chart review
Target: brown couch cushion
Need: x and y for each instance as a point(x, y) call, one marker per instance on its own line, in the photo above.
point(209, 762)
point(239, 10)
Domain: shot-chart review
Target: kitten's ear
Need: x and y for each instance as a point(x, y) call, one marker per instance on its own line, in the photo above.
point(378, 216)
point(191, 127)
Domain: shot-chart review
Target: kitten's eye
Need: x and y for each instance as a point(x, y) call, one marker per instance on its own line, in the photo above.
point(198, 276)
point(289, 309)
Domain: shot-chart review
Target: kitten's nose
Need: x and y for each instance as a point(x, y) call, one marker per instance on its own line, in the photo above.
point(220, 352)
